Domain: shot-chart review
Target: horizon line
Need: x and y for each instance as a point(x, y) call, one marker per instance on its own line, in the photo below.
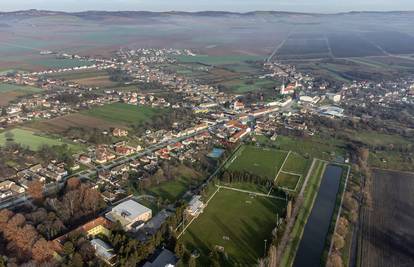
point(218, 11)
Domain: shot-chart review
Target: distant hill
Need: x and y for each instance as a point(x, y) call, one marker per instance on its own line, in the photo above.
point(85, 14)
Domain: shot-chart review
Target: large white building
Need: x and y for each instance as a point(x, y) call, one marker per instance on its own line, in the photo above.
point(128, 213)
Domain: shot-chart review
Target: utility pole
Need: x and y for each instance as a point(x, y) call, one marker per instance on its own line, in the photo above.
point(265, 243)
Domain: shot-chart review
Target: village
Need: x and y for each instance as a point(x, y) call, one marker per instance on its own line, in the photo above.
point(215, 120)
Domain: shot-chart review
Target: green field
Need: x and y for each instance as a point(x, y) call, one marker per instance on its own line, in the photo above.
point(315, 146)
point(237, 222)
point(248, 85)
point(297, 164)
point(124, 113)
point(310, 193)
point(173, 190)
point(6, 87)
point(54, 63)
point(287, 180)
point(264, 162)
point(218, 60)
point(34, 141)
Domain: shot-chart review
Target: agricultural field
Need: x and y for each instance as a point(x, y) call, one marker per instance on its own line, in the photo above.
point(77, 120)
point(9, 92)
point(55, 63)
point(238, 223)
point(387, 232)
point(126, 114)
point(34, 140)
point(94, 78)
point(309, 48)
point(264, 162)
point(218, 60)
point(249, 85)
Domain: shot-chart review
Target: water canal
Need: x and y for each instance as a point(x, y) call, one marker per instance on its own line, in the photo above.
point(312, 245)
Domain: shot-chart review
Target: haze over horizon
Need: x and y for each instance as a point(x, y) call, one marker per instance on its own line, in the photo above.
point(314, 6)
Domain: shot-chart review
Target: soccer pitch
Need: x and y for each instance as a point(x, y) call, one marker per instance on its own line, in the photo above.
point(236, 222)
point(264, 162)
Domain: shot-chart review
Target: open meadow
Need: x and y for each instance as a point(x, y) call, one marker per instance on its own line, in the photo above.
point(124, 113)
point(236, 222)
point(34, 141)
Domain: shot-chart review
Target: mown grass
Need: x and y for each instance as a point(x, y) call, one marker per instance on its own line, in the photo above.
point(237, 222)
point(264, 162)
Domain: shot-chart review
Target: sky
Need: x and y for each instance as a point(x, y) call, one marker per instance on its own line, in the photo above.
point(321, 6)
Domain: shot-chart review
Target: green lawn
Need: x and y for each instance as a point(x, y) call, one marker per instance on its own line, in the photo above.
point(315, 146)
point(310, 193)
point(124, 113)
point(287, 180)
point(6, 87)
point(237, 222)
point(264, 162)
point(297, 164)
point(218, 60)
point(173, 190)
point(34, 141)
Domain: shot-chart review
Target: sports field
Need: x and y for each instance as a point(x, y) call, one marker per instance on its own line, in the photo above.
point(237, 222)
point(34, 141)
point(264, 162)
point(294, 169)
point(124, 113)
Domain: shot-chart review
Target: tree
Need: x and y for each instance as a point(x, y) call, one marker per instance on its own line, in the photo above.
point(68, 248)
point(3, 112)
point(338, 241)
point(342, 228)
point(272, 256)
point(334, 260)
point(289, 210)
point(42, 251)
point(35, 190)
point(77, 260)
point(179, 249)
point(192, 262)
point(73, 183)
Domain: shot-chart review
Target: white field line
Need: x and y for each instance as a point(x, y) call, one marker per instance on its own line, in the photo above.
point(281, 168)
point(340, 209)
point(250, 192)
point(291, 173)
point(185, 228)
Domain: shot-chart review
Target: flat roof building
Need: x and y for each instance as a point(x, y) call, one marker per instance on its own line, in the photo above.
point(128, 213)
